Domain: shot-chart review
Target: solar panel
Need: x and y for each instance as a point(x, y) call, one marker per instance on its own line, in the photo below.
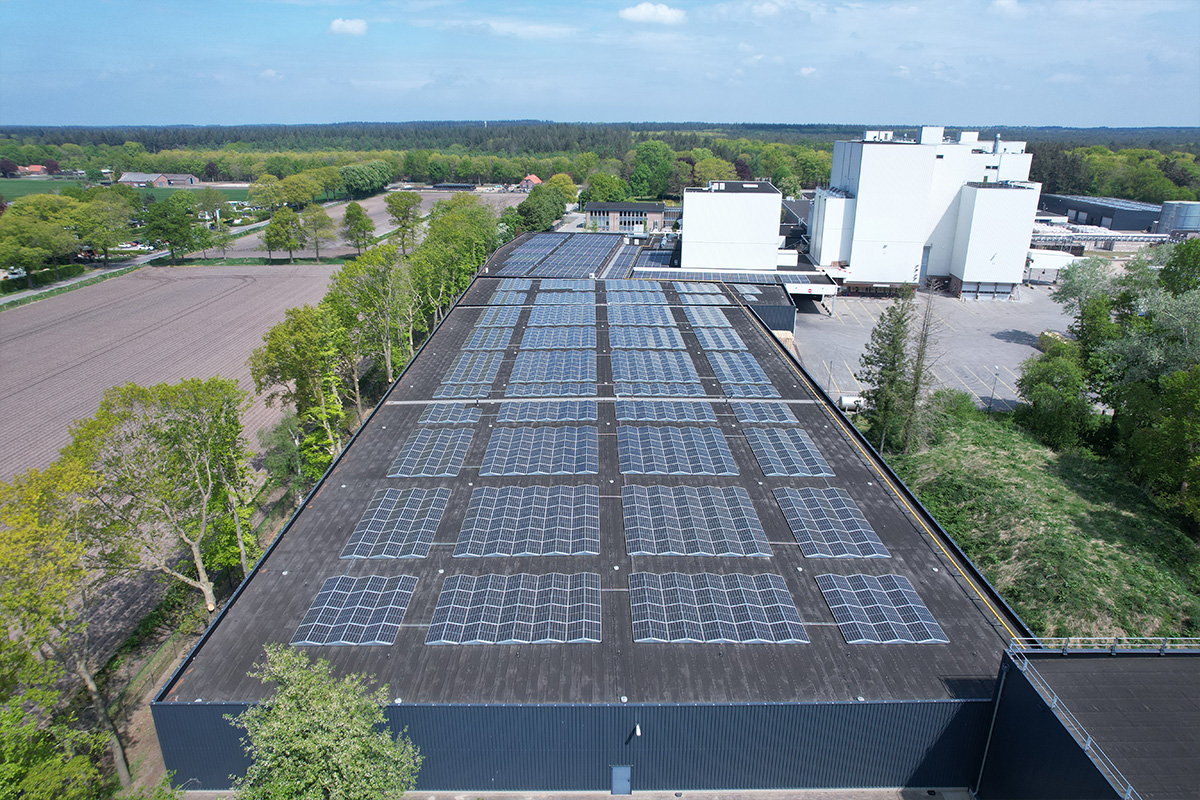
point(548, 411)
point(719, 339)
point(350, 611)
point(640, 315)
point(398, 524)
point(879, 610)
point(787, 451)
point(750, 390)
point(746, 288)
point(515, 268)
point(507, 299)
point(704, 299)
point(647, 450)
point(553, 389)
point(635, 298)
point(764, 412)
point(650, 272)
point(499, 317)
point(684, 287)
point(450, 414)
point(707, 318)
point(632, 286)
point(516, 285)
point(567, 285)
point(432, 453)
point(488, 339)
point(664, 411)
point(562, 315)
point(538, 366)
point(626, 389)
point(654, 258)
point(736, 367)
point(579, 336)
point(653, 366)
point(461, 391)
point(542, 451)
point(564, 298)
point(749, 609)
point(474, 368)
point(517, 609)
point(579, 257)
point(828, 524)
point(651, 338)
point(692, 521)
point(531, 521)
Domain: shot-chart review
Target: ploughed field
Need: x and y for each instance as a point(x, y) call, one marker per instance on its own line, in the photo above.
point(157, 324)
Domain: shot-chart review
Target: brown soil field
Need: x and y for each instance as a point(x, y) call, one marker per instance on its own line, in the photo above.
point(250, 246)
point(157, 324)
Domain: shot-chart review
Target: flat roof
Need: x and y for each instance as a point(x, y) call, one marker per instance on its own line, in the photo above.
point(602, 206)
point(1111, 202)
point(271, 605)
point(1142, 710)
point(760, 187)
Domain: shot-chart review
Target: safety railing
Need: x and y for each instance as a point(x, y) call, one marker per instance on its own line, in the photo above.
point(1109, 644)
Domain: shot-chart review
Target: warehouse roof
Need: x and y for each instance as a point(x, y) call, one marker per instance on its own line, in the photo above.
point(635, 492)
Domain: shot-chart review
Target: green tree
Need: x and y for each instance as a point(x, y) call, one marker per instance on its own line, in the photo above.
point(1162, 433)
point(318, 737)
point(266, 192)
point(606, 188)
point(652, 169)
point(714, 169)
point(104, 222)
point(404, 211)
point(37, 230)
point(1056, 407)
point(372, 296)
point(358, 230)
point(884, 368)
point(565, 186)
point(282, 457)
point(316, 226)
point(1182, 272)
point(299, 190)
point(284, 232)
point(169, 222)
point(542, 208)
point(163, 460)
point(213, 204)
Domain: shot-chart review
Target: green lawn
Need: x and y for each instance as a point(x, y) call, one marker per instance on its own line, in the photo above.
point(12, 188)
point(1068, 539)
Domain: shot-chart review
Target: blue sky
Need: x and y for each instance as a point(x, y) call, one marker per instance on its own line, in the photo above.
point(966, 62)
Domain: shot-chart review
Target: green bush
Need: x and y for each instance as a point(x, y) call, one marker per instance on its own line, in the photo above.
point(43, 277)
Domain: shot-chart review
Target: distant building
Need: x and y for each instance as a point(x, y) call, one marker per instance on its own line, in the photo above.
point(160, 180)
point(733, 225)
point(898, 212)
point(1179, 218)
point(1103, 212)
point(528, 182)
point(625, 217)
point(32, 169)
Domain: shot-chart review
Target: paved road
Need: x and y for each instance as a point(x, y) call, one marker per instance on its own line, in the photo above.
point(979, 344)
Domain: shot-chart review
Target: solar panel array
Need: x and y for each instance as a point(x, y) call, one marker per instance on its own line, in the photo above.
point(645, 338)
point(662, 389)
point(707, 318)
point(517, 609)
point(542, 451)
point(750, 390)
point(484, 338)
point(664, 411)
point(552, 338)
point(580, 256)
point(632, 286)
point(764, 412)
point(460, 391)
point(704, 299)
point(645, 450)
point(692, 521)
point(562, 315)
point(474, 368)
point(567, 285)
point(719, 339)
point(564, 298)
point(432, 453)
point(787, 452)
point(537, 366)
point(883, 609)
point(747, 609)
point(516, 285)
point(748, 289)
point(643, 298)
point(654, 259)
point(736, 367)
point(640, 315)
point(624, 259)
point(508, 299)
point(352, 611)
point(828, 524)
point(531, 521)
point(652, 273)
point(498, 316)
point(684, 287)
point(450, 414)
point(399, 523)
point(548, 411)
point(551, 389)
point(523, 258)
point(653, 366)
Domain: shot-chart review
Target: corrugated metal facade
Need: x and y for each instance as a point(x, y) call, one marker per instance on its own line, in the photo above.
point(573, 747)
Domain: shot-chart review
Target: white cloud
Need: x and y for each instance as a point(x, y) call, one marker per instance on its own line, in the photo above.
point(807, 72)
point(902, 72)
point(350, 27)
point(654, 12)
point(764, 9)
point(1007, 8)
point(528, 30)
point(270, 75)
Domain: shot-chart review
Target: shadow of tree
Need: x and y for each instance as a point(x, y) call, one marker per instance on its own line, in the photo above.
point(1017, 337)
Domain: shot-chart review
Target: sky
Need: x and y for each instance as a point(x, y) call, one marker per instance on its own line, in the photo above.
point(1085, 63)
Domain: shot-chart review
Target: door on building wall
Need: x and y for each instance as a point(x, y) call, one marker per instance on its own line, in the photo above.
point(622, 780)
point(924, 264)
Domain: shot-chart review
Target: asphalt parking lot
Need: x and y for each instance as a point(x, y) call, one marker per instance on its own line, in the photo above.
point(979, 344)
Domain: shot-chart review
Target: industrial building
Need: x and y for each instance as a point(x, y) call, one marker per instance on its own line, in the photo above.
point(928, 210)
point(1113, 213)
point(625, 217)
point(1179, 219)
point(607, 534)
point(734, 225)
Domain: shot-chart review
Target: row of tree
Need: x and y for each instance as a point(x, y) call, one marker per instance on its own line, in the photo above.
point(1151, 176)
point(1127, 384)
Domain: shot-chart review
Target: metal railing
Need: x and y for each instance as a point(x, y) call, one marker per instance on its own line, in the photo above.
point(1018, 650)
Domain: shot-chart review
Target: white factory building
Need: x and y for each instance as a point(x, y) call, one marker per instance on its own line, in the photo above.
point(733, 225)
point(899, 211)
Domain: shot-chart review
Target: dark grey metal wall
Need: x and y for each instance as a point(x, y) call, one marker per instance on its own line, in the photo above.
point(1031, 755)
point(573, 747)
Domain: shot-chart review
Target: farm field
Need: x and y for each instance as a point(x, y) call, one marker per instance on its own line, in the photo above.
point(156, 324)
point(12, 188)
